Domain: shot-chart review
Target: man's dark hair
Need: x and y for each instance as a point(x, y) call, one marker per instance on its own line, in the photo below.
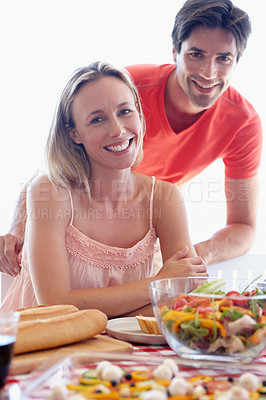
point(213, 14)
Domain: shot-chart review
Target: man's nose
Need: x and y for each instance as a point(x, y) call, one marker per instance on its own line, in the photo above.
point(208, 70)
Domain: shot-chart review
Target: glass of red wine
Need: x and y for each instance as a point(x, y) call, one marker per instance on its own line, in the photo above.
point(8, 334)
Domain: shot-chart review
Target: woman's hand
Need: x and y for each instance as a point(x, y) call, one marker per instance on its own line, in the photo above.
point(179, 266)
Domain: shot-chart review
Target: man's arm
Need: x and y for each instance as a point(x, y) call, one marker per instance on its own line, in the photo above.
point(237, 237)
point(11, 243)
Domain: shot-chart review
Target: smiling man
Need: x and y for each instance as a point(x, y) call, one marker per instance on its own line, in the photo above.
point(194, 117)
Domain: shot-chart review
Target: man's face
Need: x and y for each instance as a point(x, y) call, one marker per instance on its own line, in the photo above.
point(205, 65)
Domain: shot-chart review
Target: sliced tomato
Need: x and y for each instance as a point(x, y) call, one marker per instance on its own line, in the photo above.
point(251, 293)
point(237, 298)
point(204, 309)
point(199, 301)
point(220, 385)
point(178, 303)
point(233, 293)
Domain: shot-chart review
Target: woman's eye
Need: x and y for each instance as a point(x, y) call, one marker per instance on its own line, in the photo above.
point(125, 111)
point(96, 120)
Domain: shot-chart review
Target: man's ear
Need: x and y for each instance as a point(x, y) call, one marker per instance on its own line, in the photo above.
point(73, 134)
point(174, 53)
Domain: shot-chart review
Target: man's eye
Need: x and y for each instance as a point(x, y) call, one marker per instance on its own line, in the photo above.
point(195, 54)
point(225, 59)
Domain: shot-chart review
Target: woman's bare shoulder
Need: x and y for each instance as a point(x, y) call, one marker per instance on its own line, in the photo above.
point(42, 187)
point(164, 191)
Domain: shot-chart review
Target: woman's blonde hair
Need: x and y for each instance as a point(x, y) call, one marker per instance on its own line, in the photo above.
point(67, 162)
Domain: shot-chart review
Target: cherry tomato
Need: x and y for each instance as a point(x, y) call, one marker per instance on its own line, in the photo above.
point(238, 298)
point(251, 293)
point(233, 293)
point(178, 303)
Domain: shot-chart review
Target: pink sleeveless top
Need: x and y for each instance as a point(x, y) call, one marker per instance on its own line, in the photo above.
point(92, 264)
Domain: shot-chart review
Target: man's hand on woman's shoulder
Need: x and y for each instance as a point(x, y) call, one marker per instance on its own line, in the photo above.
point(10, 254)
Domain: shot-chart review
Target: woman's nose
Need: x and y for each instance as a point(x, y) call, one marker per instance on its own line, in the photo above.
point(116, 128)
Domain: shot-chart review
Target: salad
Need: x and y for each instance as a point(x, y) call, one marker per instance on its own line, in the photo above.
point(229, 322)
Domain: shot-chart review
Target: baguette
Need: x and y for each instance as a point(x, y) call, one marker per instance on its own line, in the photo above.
point(44, 312)
point(43, 334)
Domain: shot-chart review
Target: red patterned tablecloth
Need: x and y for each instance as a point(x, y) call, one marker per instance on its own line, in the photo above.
point(168, 352)
point(258, 366)
point(150, 352)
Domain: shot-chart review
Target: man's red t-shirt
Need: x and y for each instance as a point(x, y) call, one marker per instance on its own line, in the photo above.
point(230, 129)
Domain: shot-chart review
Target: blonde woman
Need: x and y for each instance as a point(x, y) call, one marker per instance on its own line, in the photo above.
point(92, 221)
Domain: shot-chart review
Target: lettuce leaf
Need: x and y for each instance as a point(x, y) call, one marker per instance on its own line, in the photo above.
point(210, 287)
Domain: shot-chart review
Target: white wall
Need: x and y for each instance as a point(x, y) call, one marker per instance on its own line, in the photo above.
point(43, 41)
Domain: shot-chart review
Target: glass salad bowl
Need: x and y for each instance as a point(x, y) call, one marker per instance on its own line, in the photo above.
point(210, 318)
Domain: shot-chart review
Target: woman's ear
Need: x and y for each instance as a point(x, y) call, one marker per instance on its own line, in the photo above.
point(73, 134)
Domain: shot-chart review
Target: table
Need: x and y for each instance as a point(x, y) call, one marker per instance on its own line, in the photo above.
point(166, 351)
point(249, 266)
point(149, 353)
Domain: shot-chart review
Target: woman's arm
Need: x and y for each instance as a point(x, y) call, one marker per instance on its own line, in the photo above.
point(49, 213)
point(171, 224)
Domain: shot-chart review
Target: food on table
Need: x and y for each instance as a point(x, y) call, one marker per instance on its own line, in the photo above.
point(230, 323)
point(39, 334)
point(148, 325)
point(43, 312)
point(210, 287)
point(165, 381)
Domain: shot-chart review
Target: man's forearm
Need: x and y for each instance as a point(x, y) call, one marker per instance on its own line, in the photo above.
point(18, 222)
point(232, 241)
point(19, 219)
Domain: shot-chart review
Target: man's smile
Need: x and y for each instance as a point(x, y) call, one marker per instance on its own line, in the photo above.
point(205, 86)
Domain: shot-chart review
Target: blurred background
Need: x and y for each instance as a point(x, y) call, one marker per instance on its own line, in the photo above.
point(43, 41)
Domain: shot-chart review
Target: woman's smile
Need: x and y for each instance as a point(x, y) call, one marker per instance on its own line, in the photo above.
point(119, 147)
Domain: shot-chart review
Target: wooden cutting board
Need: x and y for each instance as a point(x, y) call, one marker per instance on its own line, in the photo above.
point(25, 363)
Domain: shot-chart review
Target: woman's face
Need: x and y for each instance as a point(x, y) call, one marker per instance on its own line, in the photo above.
point(107, 123)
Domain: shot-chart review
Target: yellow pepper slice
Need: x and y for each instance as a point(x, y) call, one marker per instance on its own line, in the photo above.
point(181, 315)
point(258, 335)
point(94, 381)
point(209, 323)
point(199, 380)
point(254, 396)
point(108, 396)
point(141, 375)
point(81, 388)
